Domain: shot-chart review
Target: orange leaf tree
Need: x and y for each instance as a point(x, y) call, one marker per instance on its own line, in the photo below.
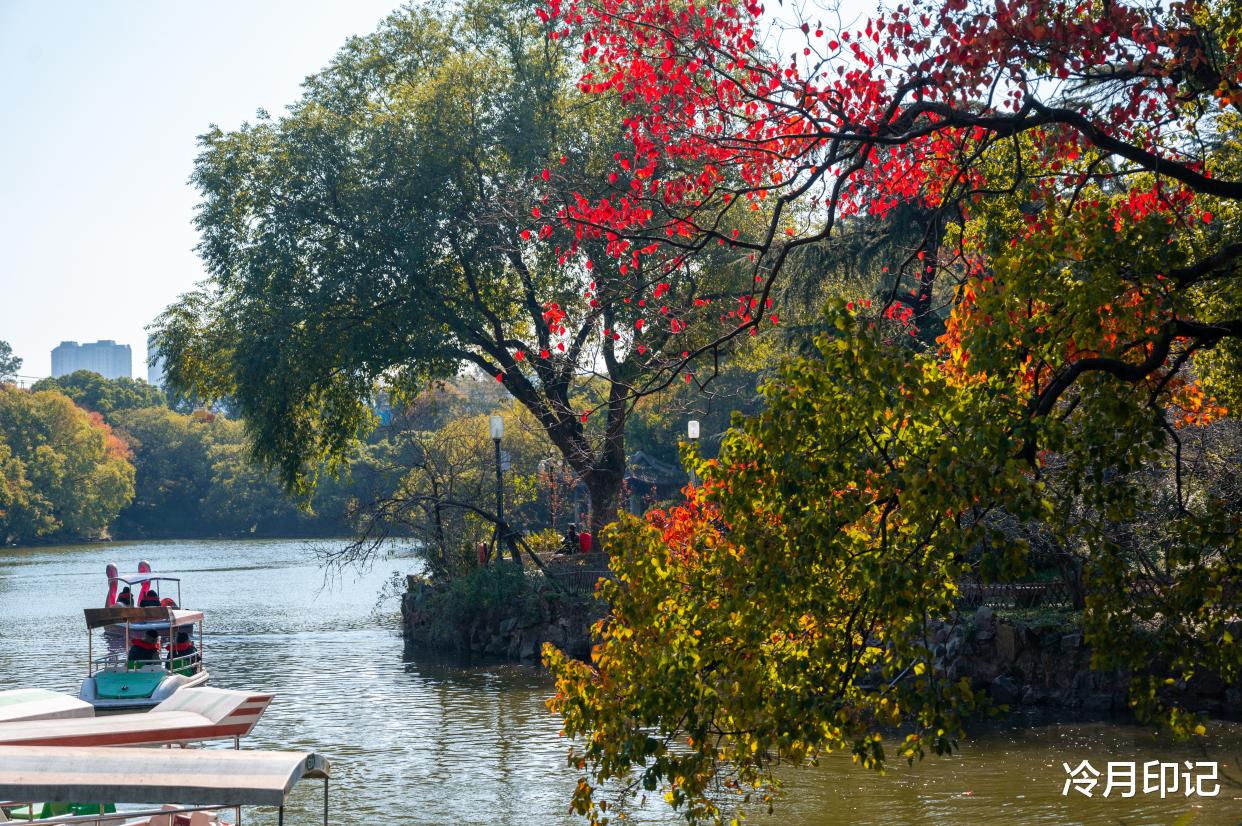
point(1083, 166)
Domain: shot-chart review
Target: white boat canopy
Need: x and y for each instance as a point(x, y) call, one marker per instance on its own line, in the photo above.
point(41, 704)
point(120, 614)
point(135, 579)
point(192, 715)
point(199, 777)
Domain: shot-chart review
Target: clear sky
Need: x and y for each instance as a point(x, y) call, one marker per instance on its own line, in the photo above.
point(100, 104)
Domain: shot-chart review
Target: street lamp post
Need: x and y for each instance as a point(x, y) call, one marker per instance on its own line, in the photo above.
point(692, 430)
point(497, 428)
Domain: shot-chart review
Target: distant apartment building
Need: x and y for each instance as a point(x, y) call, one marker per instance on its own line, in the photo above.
point(155, 367)
point(107, 358)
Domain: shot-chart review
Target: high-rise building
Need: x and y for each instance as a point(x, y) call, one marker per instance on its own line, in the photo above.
point(155, 367)
point(107, 358)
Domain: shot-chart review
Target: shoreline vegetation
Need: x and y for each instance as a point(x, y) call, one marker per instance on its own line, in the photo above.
point(85, 459)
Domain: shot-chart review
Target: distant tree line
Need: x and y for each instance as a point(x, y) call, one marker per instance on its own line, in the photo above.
point(83, 458)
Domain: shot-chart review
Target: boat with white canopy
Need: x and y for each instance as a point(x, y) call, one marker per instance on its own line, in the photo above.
point(191, 716)
point(134, 673)
point(200, 782)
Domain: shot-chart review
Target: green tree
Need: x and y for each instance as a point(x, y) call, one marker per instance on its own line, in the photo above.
point(9, 363)
point(782, 612)
point(381, 233)
point(24, 513)
point(92, 391)
point(173, 472)
point(439, 486)
point(77, 472)
point(245, 498)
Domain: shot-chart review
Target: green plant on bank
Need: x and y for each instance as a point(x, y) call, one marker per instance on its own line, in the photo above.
point(487, 594)
point(545, 542)
point(1063, 620)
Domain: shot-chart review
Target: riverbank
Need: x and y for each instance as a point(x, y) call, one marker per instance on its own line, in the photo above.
point(1039, 659)
point(223, 536)
point(498, 611)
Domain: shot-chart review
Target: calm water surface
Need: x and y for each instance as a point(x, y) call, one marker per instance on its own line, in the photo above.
point(417, 740)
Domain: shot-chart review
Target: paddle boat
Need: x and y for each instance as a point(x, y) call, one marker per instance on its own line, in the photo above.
point(202, 782)
point(137, 674)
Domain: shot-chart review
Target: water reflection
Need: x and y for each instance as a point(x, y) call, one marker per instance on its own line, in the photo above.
point(419, 740)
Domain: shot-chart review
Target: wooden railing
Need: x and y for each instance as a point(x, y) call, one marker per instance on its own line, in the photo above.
point(1015, 595)
point(578, 580)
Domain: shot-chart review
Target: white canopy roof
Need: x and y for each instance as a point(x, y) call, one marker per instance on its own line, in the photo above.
point(135, 579)
point(41, 704)
point(203, 777)
point(190, 715)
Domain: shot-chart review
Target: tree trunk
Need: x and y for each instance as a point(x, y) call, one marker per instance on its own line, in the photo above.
point(604, 489)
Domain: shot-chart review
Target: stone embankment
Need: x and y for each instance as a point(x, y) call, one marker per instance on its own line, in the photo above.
point(517, 631)
point(1019, 664)
point(1048, 664)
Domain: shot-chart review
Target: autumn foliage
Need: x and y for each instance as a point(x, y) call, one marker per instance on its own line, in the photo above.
point(1080, 165)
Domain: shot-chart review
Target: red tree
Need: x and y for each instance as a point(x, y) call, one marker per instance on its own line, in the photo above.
point(909, 108)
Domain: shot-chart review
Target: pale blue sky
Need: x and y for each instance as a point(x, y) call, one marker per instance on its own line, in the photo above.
point(100, 103)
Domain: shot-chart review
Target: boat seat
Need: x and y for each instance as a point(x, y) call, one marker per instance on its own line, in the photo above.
point(203, 819)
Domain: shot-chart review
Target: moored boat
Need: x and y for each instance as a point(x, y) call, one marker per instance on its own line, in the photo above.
point(202, 782)
point(194, 715)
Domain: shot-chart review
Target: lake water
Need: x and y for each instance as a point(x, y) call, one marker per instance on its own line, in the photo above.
point(417, 740)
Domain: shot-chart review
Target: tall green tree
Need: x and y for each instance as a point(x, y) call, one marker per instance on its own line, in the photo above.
point(9, 363)
point(77, 475)
point(173, 473)
point(382, 233)
point(92, 391)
